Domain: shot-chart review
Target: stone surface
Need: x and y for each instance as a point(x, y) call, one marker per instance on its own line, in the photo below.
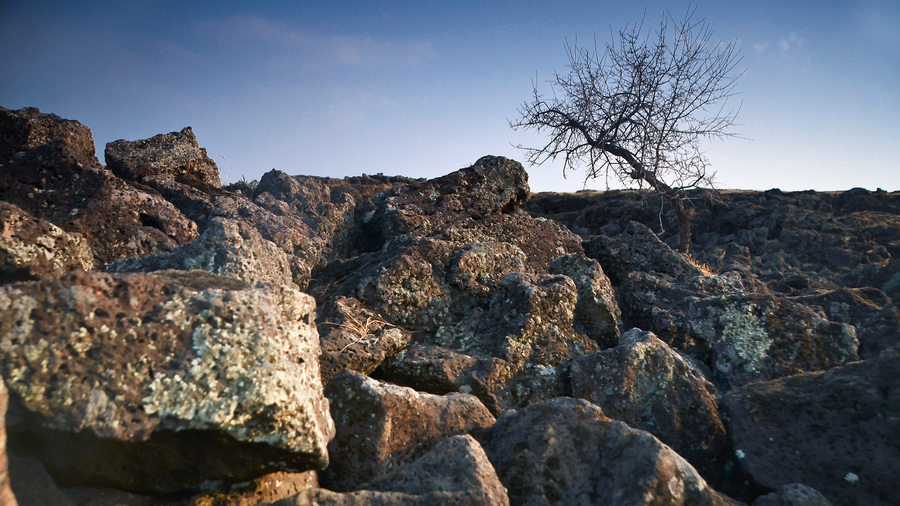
point(835, 431)
point(566, 451)
point(228, 248)
point(32, 248)
point(383, 426)
point(647, 385)
point(6, 493)
point(29, 128)
point(455, 472)
point(113, 368)
point(440, 370)
point(793, 494)
point(356, 338)
point(263, 490)
point(175, 153)
point(596, 312)
point(58, 179)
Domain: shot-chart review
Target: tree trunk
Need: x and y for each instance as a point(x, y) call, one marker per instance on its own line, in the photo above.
point(684, 225)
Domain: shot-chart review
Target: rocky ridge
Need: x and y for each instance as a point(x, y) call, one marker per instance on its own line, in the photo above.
point(165, 339)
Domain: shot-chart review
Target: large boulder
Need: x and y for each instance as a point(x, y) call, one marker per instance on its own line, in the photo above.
point(455, 472)
point(29, 128)
point(32, 248)
point(135, 380)
point(228, 248)
point(649, 386)
point(54, 175)
point(493, 185)
point(835, 431)
point(382, 427)
point(566, 451)
point(356, 338)
point(175, 153)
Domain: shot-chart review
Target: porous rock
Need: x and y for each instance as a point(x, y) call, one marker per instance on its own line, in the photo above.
point(228, 248)
point(131, 380)
point(285, 229)
point(493, 185)
point(759, 337)
point(793, 494)
point(566, 451)
point(6, 494)
point(383, 426)
point(455, 472)
point(440, 370)
point(32, 248)
point(649, 386)
point(175, 153)
point(58, 179)
point(356, 338)
point(835, 431)
point(263, 490)
point(29, 128)
point(596, 313)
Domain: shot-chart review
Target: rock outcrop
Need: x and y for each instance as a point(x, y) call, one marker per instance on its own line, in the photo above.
point(384, 340)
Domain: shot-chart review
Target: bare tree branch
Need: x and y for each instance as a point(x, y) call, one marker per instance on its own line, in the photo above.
point(637, 110)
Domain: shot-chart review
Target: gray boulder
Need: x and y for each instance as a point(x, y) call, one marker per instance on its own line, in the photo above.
point(134, 380)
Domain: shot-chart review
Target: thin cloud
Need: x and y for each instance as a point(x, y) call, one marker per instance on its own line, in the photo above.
point(792, 42)
point(288, 46)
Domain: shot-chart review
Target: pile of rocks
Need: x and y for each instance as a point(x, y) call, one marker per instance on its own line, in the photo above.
point(383, 340)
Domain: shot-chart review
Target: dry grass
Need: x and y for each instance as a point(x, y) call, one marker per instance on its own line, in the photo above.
point(365, 332)
point(704, 268)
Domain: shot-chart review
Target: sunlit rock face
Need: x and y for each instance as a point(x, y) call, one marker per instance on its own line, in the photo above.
point(113, 368)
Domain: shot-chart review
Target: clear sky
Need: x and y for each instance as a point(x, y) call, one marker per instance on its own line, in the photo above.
point(423, 88)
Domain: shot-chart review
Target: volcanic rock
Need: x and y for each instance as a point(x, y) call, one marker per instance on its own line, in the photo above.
point(32, 248)
point(455, 472)
point(175, 153)
point(133, 380)
point(649, 386)
point(58, 179)
point(566, 451)
point(385, 426)
point(835, 431)
point(227, 248)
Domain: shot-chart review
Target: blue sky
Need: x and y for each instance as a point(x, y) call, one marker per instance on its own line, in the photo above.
point(424, 88)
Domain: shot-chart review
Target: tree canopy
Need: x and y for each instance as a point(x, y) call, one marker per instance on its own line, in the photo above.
point(636, 110)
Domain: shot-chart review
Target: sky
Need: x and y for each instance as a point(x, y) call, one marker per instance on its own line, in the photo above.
point(423, 88)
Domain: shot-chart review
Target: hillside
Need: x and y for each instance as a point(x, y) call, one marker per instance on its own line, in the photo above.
point(165, 339)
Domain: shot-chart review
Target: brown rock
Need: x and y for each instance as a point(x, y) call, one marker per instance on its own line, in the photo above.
point(175, 153)
point(28, 128)
point(566, 451)
point(493, 185)
point(759, 337)
point(455, 472)
point(61, 181)
point(356, 338)
point(227, 248)
point(263, 490)
point(793, 494)
point(649, 386)
point(440, 370)
point(382, 427)
point(596, 312)
point(6, 494)
point(835, 431)
point(134, 380)
point(32, 248)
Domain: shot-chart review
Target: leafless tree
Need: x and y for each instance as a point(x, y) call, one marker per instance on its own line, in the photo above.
point(636, 112)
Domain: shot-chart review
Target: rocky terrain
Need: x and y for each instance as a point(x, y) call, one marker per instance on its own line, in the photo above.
point(373, 340)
